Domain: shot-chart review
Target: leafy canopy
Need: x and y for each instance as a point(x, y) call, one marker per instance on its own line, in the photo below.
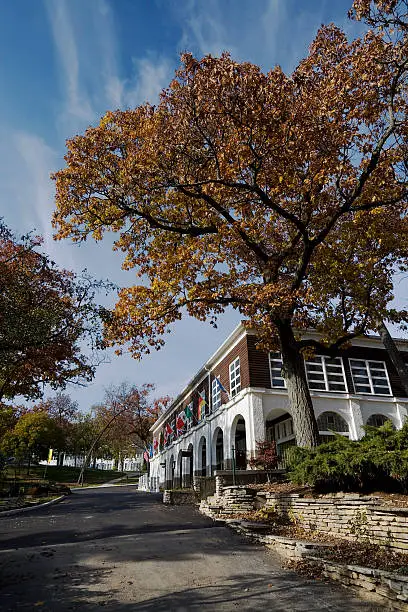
point(47, 314)
point(283, 196)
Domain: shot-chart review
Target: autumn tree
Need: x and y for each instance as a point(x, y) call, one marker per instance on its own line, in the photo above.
point(124, 419)
point(47, 315)
point(260, 192)
point(32, 436)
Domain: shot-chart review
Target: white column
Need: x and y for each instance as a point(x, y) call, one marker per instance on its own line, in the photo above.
point(357, 422)
point(401, 414)
point(256, 424)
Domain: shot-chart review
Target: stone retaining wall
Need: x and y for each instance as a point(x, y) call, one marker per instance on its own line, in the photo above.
point(179, 498)
point(343, 515)
point(391, 587)
point(388, 589)
point(347, 516)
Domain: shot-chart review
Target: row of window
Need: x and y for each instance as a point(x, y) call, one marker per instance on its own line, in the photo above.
point(327, 374)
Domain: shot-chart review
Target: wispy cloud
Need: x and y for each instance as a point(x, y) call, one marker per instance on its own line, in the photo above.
point(33, 160)
point(256, 32)
point(151, 75)
point(203, 27)
point(78, 105)
point(92, 76)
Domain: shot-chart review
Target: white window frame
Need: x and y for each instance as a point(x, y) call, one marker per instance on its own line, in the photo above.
point(326, 379)
point(235, 377)
point(366, 363)
point(215, 395)
point(276, 357)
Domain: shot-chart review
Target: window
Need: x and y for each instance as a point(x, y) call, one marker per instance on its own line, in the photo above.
point(284, 429)
point(370, 377)
point(215, 396)
point(331, 421)
point(325, 374)
point(275, 364)
point(377, 420)
point(235, 377)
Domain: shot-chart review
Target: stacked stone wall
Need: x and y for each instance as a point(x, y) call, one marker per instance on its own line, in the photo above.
point(347, 516)
point(344, 515)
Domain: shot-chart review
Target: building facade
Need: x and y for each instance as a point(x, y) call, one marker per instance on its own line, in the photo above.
point(239, 397)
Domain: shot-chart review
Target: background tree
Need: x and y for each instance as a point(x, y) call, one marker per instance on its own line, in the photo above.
point(32, 437)
point(64, 411)
point(239, 187)
point(124, 419)
point(46, 316)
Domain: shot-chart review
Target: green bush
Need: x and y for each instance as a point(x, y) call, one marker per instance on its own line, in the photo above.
point(379, 461)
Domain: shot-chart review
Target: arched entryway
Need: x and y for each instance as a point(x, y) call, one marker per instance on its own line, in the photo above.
point(188, 467)
point(171, 473)
point(202, 457)
point(279, 428)
point(185, 467)
point(218, 449)
point(239, 442)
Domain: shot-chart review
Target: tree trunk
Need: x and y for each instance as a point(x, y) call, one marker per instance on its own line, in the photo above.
point(304, 420)
point(394, 354)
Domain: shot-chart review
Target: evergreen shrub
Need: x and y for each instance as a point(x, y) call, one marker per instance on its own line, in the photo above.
point(377, 462)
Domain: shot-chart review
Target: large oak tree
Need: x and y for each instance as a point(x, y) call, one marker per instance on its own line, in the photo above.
point(282, 196)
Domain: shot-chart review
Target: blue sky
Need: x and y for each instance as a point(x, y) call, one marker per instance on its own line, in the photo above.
point(63, 63)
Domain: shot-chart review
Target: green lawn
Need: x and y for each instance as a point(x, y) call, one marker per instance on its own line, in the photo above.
point(61, 475)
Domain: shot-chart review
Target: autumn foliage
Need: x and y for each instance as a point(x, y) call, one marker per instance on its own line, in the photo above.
point(282, 196)
point(47, 314)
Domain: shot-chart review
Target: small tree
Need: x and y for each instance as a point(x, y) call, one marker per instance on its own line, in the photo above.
point(266, 457)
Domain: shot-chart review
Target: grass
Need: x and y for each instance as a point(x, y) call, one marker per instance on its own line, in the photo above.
point(62, 475)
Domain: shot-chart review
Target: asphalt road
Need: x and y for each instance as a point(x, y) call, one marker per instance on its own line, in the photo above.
point(121, 550)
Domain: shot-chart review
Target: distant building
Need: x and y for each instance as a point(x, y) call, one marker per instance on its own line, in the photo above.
point(239, 397)
point(130, 464)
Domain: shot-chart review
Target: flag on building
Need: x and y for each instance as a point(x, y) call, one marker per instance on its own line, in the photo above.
point(169, 429)
point(221, 386)
point(201, 406)
point(161, 440)
point(155, 445)
point(150, 449)
point(146, 456)
point(188, 411)
point(180, 422)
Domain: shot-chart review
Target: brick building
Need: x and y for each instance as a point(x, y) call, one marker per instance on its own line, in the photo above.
point(239, 397)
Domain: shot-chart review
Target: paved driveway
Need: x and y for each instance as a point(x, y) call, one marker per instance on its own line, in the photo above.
point(121, 550)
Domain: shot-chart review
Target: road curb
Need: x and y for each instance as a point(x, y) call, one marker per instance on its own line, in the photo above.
point(29, 508)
